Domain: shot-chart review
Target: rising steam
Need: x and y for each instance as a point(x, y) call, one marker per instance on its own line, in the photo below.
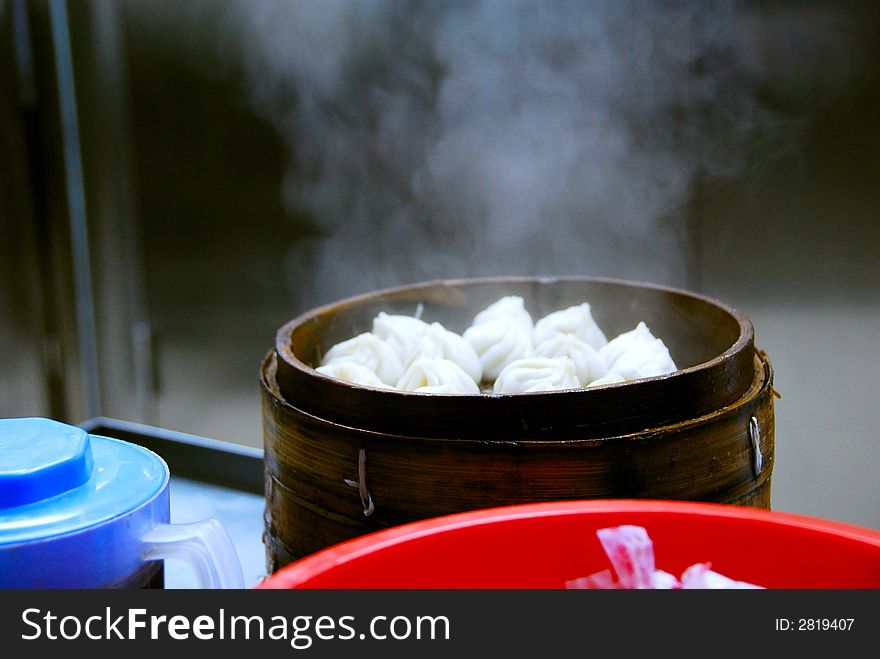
point(447, 139)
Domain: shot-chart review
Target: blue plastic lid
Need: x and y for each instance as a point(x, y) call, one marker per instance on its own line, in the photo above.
point(40, 458)
point(57, 479)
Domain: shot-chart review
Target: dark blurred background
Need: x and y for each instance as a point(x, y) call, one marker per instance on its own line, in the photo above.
point(178, 179)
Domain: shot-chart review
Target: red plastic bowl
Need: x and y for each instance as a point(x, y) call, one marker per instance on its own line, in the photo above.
point(543, 545)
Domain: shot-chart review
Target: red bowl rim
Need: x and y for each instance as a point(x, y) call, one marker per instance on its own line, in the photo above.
point(309, 567)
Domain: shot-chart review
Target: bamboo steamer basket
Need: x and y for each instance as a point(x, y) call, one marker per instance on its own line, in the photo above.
point(343, 460)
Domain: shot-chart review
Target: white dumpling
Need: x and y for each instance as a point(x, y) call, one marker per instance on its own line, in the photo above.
point(576, 320)
point(344, 369)
point(588, 363)
point(537, 374)
point(498, 343)
point(439, 343)
point(511, 307)
point(644, 359)
point(438, 376)
point(400, 332)
point(622, 342)
point(368, 350)
point(609, 378)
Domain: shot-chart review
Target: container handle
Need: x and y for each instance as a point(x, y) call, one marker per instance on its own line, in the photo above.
point(361, 484)
point(205, 545)
point(755, 436)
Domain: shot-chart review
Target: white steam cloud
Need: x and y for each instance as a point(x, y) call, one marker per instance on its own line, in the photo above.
point(448, 139)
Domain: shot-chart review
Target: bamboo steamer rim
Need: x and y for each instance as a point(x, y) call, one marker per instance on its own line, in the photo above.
point(759, 389)
point(615, 409)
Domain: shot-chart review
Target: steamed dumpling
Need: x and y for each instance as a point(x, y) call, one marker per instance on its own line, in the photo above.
point(511, 307)
point(537, 374)
point(610, 378)
point(577, 321)
point(622, 342)
point(498, 343)
point(353, 372)
point(439, 343)
point(400, 332)
point(368, 350)
point(588, 363)
point(644, 359)
point(438, 376)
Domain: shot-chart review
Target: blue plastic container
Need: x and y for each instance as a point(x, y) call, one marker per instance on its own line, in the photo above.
point(84, 511)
